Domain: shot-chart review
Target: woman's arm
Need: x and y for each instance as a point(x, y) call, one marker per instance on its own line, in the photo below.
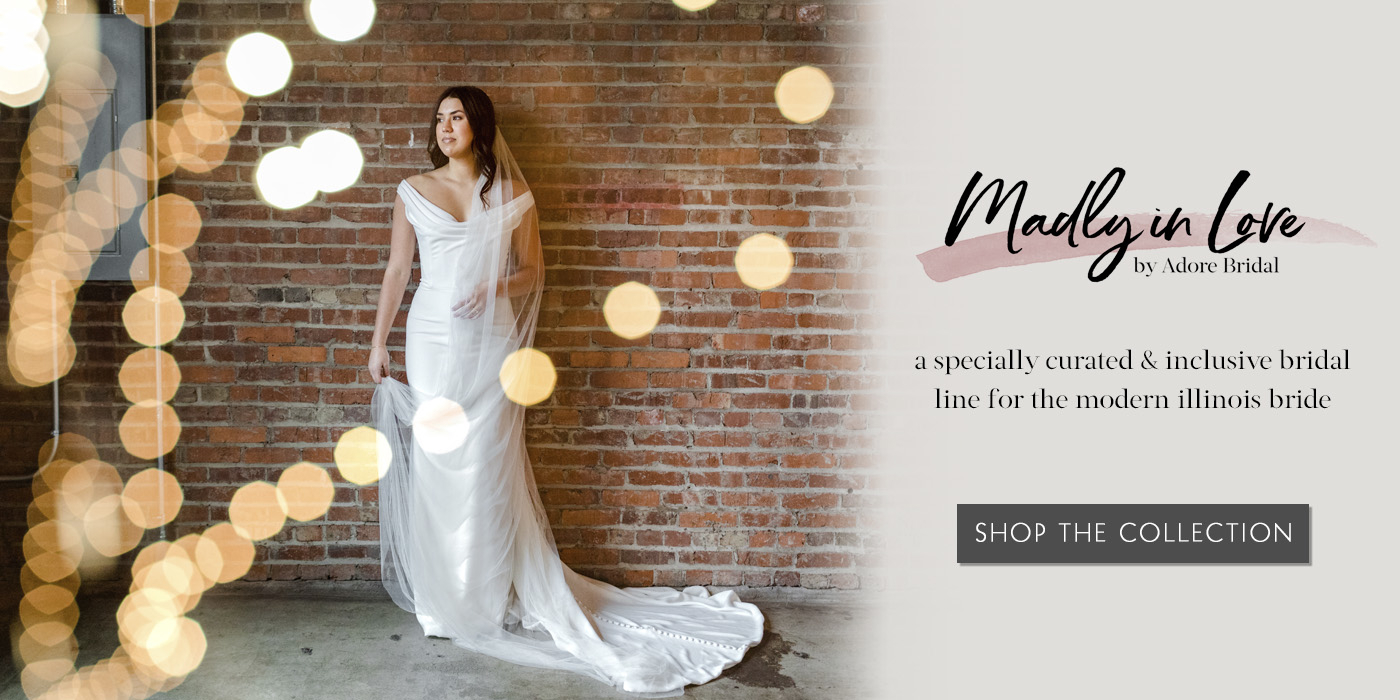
point(401, 247)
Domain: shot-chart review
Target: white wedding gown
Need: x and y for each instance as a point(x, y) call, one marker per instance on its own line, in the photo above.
point(466, 545)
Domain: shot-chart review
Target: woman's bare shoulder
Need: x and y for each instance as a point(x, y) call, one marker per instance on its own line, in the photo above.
point(430, 176)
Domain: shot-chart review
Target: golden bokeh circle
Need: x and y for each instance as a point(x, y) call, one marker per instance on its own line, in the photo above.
point(172, 572)
point(149, 374)
point(149, 429)
point(46, 640)
point(44, 507)
point(527, 376)
point(48, 602)
point(138, 164)
point(51, 475)
point(148, 556)
point(215, 97)
point(256, 511)
point(83, 227)
point(110, 532)
point(118, 186)
point(204, 126)
point(235, 553)
point(52, 567)
point(212, 69)
point(171, 220)
point(152, 498)
point(363, 455)
point(52, 537)
point(38, 676)
point(804, 94)
point(149, 13)
point(86, 483)
point(632, 310)
point(209, 558)
point(153, 316)
point(192, 154)
point(693, 5)
point(96, 206)
point(151, 138)
point(161, 265)
point(34, 358)
point(763, 261)
point(33, 303)
point(52, 144)
point(306, 490)
point(177, 645)
point(71, 447)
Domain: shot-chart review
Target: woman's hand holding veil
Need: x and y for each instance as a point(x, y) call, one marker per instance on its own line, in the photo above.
point(474, 304)
point(378, 363)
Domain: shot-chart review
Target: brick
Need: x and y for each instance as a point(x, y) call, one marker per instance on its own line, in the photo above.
point(289, 353)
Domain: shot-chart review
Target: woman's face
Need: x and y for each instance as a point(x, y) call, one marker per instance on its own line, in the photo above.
point(454, 135)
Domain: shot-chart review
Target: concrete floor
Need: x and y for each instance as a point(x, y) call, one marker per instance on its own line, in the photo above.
point(339, 641)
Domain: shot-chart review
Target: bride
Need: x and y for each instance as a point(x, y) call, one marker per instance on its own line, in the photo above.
point(465, 543)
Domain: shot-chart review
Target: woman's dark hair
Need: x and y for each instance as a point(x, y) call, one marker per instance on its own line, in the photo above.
point(481, 117)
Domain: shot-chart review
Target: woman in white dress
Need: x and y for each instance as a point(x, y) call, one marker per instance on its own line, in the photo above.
point(465, 543)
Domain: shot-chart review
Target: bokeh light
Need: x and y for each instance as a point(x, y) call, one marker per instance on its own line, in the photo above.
point(152, 498)
point(149, 13)
point(693, 5)
point(362, 455)
point(440, 425)
point(86, 482)
point(210, 86)
point(52, 549)
point(259, 64)
point(332, 160)
point(70, 447)
point(306, 491)
point(176, 645)
point(804, 94)
point(632, 310)
point(284, 179)
point(341, 20)
point(170, 220)
point(256, 511)
point(149, 374)
point(108, 529)
point(149, 429)
point(40, 353)
point(153, 316)
point(46, 602)
point(527, 376)
point(763, 261)
point(24, 74)
point(163, 266)
point(234, 553)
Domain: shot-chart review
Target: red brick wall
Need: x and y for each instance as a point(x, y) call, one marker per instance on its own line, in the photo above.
point(726, 448)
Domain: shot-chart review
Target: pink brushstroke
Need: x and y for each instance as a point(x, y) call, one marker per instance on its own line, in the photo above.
point(970, 256)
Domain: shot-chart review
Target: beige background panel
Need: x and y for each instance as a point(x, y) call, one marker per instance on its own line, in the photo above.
point(1182, 96)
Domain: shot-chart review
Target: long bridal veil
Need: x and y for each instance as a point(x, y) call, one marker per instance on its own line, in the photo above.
point(465, 541)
